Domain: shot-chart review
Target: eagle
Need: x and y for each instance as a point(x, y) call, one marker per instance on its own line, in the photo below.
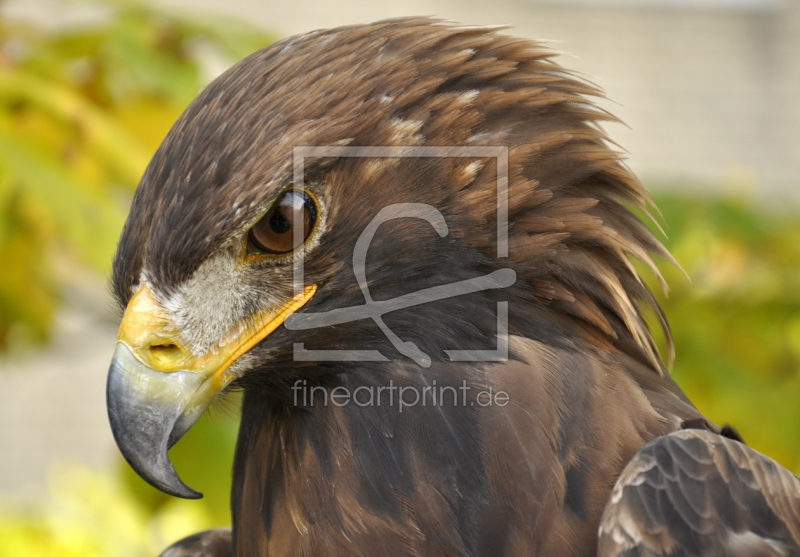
point(413, 248)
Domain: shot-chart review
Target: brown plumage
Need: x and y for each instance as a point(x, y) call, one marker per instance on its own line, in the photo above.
point(587, 387)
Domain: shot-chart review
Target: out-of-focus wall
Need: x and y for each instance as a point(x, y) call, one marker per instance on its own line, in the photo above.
point(709, 89)
point(52, 401)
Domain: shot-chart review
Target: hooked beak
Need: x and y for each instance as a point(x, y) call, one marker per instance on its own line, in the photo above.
point(157, 389)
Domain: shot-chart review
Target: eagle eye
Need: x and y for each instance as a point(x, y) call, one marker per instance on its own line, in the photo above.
point(276, 232)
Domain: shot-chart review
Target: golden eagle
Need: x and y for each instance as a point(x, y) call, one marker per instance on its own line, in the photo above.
point(410, 245)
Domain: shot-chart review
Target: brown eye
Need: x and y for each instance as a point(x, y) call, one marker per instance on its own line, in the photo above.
point(277, 232)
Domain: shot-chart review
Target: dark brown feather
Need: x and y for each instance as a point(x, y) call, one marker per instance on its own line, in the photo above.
point(529, 478)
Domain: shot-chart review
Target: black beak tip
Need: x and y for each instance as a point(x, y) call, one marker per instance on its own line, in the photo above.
point(164, 478)
point(143, 430)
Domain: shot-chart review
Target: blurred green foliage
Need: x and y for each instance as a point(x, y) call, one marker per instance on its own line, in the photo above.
point(81, 112)
point(91, 514)
point(115, 513)
point(736, 322)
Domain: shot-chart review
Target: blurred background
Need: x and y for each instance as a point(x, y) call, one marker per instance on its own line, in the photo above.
point(709, 90)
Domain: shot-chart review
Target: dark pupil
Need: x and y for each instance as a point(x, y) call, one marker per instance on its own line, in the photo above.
point(279, 223)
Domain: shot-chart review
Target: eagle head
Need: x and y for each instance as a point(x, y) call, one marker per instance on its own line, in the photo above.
point(375, 202)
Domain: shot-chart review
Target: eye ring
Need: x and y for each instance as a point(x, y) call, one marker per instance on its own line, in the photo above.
point(277, 232)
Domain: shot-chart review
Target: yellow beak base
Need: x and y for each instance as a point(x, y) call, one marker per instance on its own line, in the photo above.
point(157, 388)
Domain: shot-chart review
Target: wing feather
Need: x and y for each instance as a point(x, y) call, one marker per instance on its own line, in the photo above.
point(211, 543)
point(696, 493)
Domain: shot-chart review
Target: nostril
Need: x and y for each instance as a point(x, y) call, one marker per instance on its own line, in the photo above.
point(165, 353)
point(163, 347)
